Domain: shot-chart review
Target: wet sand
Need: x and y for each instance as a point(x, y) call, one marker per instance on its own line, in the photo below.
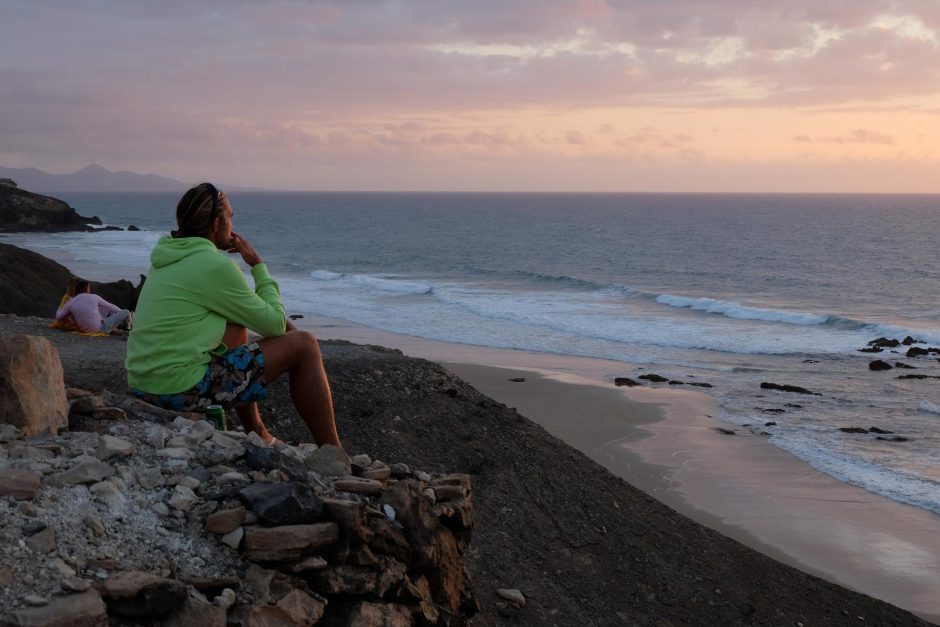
point(664, 442)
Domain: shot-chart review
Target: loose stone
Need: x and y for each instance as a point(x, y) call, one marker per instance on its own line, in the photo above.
point(511, 594)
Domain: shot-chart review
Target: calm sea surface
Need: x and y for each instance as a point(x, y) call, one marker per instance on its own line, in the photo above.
point(726, 289)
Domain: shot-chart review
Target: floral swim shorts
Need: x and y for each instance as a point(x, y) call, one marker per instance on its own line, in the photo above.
point(231, 379)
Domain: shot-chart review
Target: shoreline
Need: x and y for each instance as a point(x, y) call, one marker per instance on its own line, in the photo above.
point(664, 442)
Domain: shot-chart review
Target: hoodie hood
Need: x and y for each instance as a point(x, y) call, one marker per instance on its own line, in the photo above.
point(170, 250)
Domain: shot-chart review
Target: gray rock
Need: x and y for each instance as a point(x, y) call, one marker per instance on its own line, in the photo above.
point(94, 523)
point(110, 494)
point(174, 453)
point(8, 433)
point(150, 478)
point(42, 542)
point(283, 503)
point(156, 436)
point(85, 472)
point(420, 475)
point(85, 609)
point(161, 509)
point(266, 458)
point(329, 461)
point(110, 446)
point(183, 498)
point(233, 538)
point(511, 594)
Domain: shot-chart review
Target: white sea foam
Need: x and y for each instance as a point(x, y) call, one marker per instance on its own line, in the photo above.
point(929, 407)
point(824, 454)
point(741, 312)
point(374, 282)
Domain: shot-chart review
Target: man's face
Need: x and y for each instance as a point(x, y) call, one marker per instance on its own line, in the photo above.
point(222, 227)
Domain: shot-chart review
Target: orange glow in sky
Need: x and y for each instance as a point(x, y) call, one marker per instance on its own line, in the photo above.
point(678, 95)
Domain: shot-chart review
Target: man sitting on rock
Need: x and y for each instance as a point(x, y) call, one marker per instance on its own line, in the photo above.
point(189, 347)
point(91, 313)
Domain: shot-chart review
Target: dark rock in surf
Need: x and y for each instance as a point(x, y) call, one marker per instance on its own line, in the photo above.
point(724, 431)
point(916, 351)
point(871, 349)
point(896, 438)
point(699, 384)
point(654, 378)
point(884, 342)
point(770, 424)
point(765, 385)
point(131, 227)
point(879, 365)
point(909, 340)
point(899, 364)
point(627, 381)
point(877, 430)
point(674, 382)
point(853, 430)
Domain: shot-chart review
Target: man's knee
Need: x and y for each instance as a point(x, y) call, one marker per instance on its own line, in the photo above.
point(306, 342)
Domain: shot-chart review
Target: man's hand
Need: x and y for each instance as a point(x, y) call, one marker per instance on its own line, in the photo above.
point(241, 246)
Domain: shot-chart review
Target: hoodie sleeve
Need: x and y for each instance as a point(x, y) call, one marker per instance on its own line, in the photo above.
point(64, 310)
point(260, 310)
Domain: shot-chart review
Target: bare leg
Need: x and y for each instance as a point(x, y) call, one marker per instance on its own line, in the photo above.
point(298, 353)
point(234, 337)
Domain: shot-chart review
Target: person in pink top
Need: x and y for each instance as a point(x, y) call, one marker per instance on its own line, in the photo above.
point(91, 312)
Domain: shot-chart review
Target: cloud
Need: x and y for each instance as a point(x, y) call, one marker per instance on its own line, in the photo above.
point(856, 136)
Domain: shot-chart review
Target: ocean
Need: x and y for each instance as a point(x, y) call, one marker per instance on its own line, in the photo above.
point(731, 290)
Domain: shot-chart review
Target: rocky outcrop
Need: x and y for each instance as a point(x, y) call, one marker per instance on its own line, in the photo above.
point(32, 285)
point(32, 385)
point(158, 517)
point(22, 211)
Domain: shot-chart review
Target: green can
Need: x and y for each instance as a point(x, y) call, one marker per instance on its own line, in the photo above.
point(216, 415)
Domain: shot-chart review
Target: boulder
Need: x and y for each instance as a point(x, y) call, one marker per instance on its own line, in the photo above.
point(283, 502)
point(329, 461)
point(653, 378)
point(20, 484)
point(879, 365)
point(627, 381)
point(32, 385)
point(141, 594)
point(74, 610)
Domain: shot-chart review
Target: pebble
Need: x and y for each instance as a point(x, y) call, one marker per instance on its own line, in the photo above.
point(94, 523)
point(226, 599)
point(389, 512)
point(233, 477)
point(75, 584)
point(190, 482)
point(110, 446)
point(182, 499)
point(511, 594)
point(35, 600)
point(420, 475)
point(109, 493)
point(174, 453)
point(150, 478)
point(161, 509)
point(155, 436)
point(234, 538)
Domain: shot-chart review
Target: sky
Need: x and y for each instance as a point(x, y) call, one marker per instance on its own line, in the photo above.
point(488, 95)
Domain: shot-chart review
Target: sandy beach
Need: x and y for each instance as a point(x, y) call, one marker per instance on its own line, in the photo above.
point(664, 442)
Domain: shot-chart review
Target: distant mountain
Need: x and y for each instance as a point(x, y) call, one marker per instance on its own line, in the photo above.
point(94, 178)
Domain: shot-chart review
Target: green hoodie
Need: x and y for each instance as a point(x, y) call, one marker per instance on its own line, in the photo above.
point(192, 291)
